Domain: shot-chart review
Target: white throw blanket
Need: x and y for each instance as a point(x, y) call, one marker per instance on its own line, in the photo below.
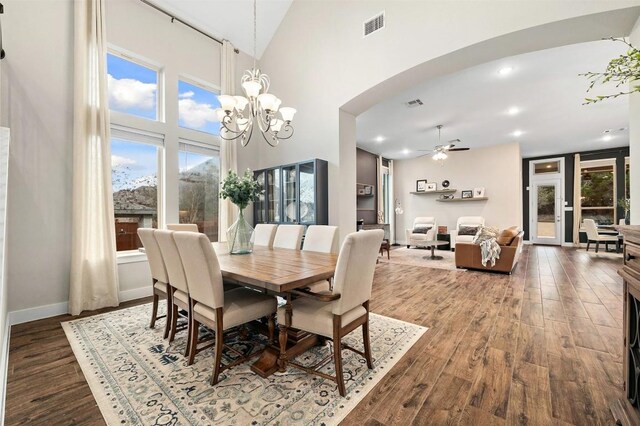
point(489, 247)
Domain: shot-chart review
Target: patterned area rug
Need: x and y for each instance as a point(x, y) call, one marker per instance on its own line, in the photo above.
point(415, 257)
point(137, 378)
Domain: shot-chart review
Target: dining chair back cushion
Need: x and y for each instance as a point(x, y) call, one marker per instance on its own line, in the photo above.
point(470, 221)
point(151, 248)
point(355, 268)
point(591, 228)
point(201, 268)
point(288, 237)
point(172, 260)
point(321, 238)
point(188, 227)
point(264, 234)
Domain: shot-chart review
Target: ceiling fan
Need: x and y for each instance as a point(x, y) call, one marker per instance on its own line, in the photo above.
point(439, 152)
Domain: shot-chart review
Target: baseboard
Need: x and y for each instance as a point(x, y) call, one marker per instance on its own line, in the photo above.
point(55, 309)
point(4, 365)
point(38, 312)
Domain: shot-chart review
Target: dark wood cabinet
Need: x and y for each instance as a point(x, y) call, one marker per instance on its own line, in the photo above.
point(294, 193)
point(627, 411)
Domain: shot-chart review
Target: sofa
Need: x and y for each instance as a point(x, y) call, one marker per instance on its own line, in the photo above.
point(468, 255)
point(418, 238)
point(465, 222)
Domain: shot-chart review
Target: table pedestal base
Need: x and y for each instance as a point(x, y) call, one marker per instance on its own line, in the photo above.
point(267, 364)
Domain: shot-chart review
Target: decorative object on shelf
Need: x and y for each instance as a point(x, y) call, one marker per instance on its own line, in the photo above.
point(421, 185)
point(442, 229)
point(623, 71)
point(361, 191)
point(467, 194)
point(445, 183)
point(431, 187)
point(439, 152)
point(447, 196)
point(240, 191)
point(478, 192)
point(239, 115)
point(368, 190)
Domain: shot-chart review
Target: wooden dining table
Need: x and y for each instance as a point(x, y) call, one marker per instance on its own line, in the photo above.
point(278, 271)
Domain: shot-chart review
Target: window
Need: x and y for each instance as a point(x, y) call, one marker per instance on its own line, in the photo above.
point(199, 183)
point(133, 88)
point(598, 191)
point(546, 167)
point(134, 175)
point(196, 107)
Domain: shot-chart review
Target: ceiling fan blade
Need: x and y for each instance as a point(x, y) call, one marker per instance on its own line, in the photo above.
point(459, 149)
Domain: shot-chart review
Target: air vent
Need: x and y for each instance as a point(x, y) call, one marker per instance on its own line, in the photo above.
point(374, 24)
point(414, 103)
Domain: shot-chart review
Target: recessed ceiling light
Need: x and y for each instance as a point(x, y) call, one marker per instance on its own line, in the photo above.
point(505, 70)
point(548, 166)
point(513, 111)
point(517, 133)
point(405, 151)
point(607, 138)
point(380, 139)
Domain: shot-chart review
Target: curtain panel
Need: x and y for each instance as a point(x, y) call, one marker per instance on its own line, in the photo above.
point(94, 269)
point(228, 149)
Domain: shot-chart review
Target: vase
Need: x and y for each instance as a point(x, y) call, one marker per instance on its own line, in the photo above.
point(239, 236)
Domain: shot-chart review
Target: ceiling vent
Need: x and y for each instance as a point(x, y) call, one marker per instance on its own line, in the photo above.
point(414, 103)
point(374, 24)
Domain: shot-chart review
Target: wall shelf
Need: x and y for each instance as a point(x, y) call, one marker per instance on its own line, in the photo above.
point(440, 191)
point(452, 200)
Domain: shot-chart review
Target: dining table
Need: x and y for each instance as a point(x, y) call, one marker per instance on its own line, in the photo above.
point(281, 272)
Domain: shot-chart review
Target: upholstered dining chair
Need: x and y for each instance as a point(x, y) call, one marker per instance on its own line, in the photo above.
point(594, 237)
point(188, 227)
point(159, 277)
point(289, 237)
point(321, 239)
point(178, 289)
point(345, 309)
point(263, 234)
point(213, 307)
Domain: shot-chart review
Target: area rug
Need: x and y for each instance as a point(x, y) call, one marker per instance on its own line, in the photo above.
point(137, 378)
point(416, 257)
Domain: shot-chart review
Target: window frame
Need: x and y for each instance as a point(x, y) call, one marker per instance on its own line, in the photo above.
point(607, 162)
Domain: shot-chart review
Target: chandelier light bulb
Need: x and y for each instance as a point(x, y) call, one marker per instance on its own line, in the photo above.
point(243, 123)
point(287, 113)
point(267, 101)
point(252, 88)
point(276, 125)
point(241, 103)
point(227, 103)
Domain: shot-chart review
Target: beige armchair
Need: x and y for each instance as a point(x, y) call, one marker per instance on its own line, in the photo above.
point(213, 307)
point(466, 222)
point(594, 237)
point(427, 224)
point(337, 314)
point(159, 277)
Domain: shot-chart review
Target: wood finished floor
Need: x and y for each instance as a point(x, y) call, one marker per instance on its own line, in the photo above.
point(540, 347)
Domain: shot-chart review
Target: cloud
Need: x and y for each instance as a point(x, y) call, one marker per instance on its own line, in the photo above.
point(118, 161)
point(127, 93)
point(188, 94)
point(195, 114)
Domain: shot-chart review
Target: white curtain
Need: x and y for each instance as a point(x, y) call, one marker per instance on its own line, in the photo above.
point(94, 273)
point(577, 202)
point(228, 149)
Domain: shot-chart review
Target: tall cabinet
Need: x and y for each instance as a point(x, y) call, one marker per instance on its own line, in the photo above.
point(293, 193)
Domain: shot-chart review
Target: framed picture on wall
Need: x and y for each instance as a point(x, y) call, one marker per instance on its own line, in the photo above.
point(431, 186)
point(421, 185)
point(467, 194)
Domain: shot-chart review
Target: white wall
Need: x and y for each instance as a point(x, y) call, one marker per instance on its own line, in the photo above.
point(498, 169)
point(4, 315)
point(319, 62)
point(634, 140)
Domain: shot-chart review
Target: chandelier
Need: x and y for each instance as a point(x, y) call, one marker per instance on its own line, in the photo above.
point(239, 115)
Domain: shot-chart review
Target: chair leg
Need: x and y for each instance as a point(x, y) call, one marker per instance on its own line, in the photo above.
point(189, 329)
point(408, 246)
point(218, 349)
point(597, 245)
point(271, 325)
point(174, 322)
point(154, 311)
point(388, 254)
point(588, 244)
point(193, 344)
point(167, 322)
point(337, 355)
point(366, 339)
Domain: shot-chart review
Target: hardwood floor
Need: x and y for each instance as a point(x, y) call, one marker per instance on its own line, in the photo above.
point(540, 347)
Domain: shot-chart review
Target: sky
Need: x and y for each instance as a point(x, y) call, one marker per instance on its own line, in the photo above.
point(133, 89)
point(133, 164)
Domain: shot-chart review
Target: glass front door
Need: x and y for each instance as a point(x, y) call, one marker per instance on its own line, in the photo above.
point(547, 213)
